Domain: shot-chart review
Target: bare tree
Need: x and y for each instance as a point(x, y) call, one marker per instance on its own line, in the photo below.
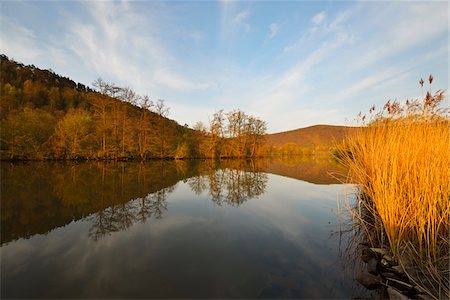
point(162, 111)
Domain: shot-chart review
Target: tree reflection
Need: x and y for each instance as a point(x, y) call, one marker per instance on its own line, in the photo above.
point(121, 217)
point(38, 197)
point(198, 183)
point(234, 186)
point(232, 183)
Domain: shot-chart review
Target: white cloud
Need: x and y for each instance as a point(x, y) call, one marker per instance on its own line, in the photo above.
point(408, 26)
point(341, 59)
point(18, 41)
point(176, 81)
point(234, 20)
point(130, 48)
point(320, 30)
point(319, 18)
point(240, 20)
point(273, 30)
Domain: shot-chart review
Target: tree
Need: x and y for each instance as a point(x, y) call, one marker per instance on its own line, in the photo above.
point(9, 98)
point(236, 133)
point(144, 125)
point(200, 140)
point(216, 133)
point(162, 111)
point(129, 96)
point(26, 132)
point(256, 130)
point(54, 97)
point(73, 132)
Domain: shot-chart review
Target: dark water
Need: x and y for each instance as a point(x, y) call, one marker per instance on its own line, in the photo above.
point(167, 229)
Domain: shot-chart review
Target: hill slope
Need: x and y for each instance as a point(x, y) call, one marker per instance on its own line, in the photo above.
point(47, 116)
point(309, 139)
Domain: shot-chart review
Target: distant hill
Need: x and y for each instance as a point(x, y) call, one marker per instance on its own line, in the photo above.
point(308, 140)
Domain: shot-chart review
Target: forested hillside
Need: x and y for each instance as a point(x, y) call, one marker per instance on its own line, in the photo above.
point(47, 116)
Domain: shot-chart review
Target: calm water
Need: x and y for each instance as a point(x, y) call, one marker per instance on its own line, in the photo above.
point(172, 230)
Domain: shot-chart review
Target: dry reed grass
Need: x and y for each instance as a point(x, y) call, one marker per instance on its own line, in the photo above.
point(400, 160)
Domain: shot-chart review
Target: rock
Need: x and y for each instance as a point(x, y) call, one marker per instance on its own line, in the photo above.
point(372, 266)
point(366, 255)
point(398, 269)
point(395, 295)
point(389, 258)
point(424, 297)
point(369, 281)
point(381, 251)
point(385, 263)
point(387, 274)
point(399, 284)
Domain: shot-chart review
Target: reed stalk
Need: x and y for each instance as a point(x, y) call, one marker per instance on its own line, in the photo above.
point(400, 160)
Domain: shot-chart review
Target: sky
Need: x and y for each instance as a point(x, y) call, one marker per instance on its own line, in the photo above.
point(293, 64)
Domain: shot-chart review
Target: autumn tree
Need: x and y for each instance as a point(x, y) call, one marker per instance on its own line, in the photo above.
point(146, 106)
point(236, 133)
point(102, 106)
point(73, 132)
point(162, 111)
point(216, 133)
point(25, 132)
point(200, 140)
point(256, 129)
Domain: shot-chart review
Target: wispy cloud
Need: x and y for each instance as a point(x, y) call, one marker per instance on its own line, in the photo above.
point(18, 40)
point(126, 46)
point(320, 29)
point(175, 81)
point(310, 68)
point(234, 20)
point(319, 18)
point(409, 26)
point(240, 21)
point(273, 30)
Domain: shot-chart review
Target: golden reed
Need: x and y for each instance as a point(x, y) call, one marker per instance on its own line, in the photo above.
point(400, 159)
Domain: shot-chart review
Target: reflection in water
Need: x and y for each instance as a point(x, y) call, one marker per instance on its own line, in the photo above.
point(121, 217)
point(38, 197)
point(113, 195)
point(230, 186)
point(317, 170)
point(182, 229)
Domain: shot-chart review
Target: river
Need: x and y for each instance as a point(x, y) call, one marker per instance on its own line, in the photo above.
point(174, 229)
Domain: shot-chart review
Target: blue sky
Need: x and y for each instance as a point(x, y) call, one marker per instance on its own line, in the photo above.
point(293, 64)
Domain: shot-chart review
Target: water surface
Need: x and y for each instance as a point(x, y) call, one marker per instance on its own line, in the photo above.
point(166, 229)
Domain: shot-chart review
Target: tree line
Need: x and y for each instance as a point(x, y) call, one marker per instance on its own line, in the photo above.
point(46, 116)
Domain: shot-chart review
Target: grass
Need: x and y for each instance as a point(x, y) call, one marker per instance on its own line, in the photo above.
point(400, 160)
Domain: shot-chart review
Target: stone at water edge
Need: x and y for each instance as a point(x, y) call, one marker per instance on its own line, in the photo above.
point(395, 295)
point(372, 266)
point(398, 269)
point(369, 281)
point(381, 251)
point(366, 254)
point(385, 263)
